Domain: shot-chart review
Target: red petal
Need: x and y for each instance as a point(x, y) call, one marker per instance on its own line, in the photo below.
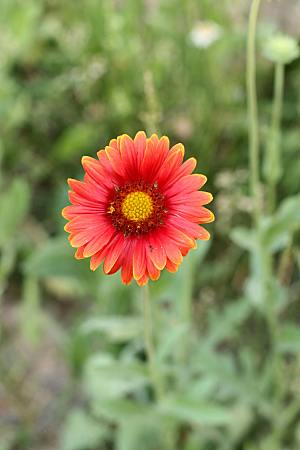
point(115, 160)
point(113, 143)
point(79, 253)
point(172, 251)
point(116, 266)
point(129, 157)
point(179, 237)
point(112, 177)
point(185, 169)
point(192, 229)
point(171, 267)
point(93, 193)
point(186, 184)
point(96, 172)
point(194, 214)
point(99, 242)
point(126, 273)
point(143, 280)
point(170, 165)
point(154, 272)
point(84, 222)
point(72, 211)
point(154, 158)
point(80, 238)
point(113, 252)
point(97, 259)
point(140, 142)
point(139, 259)
point(157, 252)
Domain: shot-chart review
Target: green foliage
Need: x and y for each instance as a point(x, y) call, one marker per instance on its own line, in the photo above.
point(138, 432)
point(196, 413)
point(14, 205)
point(73, 142)
point(116, 329)
point(106, 378)
point(82, 432)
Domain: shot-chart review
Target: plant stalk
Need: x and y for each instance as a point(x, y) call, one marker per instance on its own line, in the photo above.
point(252, 109)
point(149, 343)
point(273, 154)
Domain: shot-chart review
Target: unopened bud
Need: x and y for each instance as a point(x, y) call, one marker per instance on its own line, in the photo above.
point(281, 48)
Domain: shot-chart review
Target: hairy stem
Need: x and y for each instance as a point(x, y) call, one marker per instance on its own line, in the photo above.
point(149, 343)
point(273, 155)
point(252, 109)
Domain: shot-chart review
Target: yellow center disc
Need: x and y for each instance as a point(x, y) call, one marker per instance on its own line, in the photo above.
point(137, 206)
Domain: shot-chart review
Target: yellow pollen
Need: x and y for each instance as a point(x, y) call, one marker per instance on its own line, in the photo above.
point(137, 206)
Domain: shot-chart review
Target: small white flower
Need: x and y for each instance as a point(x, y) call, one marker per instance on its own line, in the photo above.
point(205, 34)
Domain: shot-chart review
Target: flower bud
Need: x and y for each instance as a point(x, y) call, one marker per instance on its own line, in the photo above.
point(281, 48)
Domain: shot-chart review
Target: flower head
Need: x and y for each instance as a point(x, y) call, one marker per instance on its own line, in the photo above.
point(281, 48)
point(138, 208)
point(204, 34)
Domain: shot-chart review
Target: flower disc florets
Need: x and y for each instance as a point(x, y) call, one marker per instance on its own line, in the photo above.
point(137, 208)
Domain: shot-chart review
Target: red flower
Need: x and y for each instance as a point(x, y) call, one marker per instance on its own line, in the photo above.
point(138, 208)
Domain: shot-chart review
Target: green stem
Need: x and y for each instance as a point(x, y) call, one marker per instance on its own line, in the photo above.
point(151, 116)
point(155, 375)
point(252, 109)
point(284, 263)
point(273, 172)
point(31, 314)
point(273, 160)
point(254, 157)
point(185, 310)
point(149, 343)
point(7, 260)
point(187, 288)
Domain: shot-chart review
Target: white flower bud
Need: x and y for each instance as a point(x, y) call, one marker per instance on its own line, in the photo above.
point(281, 48)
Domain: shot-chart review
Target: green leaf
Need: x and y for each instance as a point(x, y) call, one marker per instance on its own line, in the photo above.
point(55, 259)
point(197, 413)
point(14, 205)
point(107, 378)
point(275, 231)
point(64, 276)
point(171, 340)
point(147, 433)
point(298, 258)
point(19, 20)
point(119, 409)
point(224, 324)
point(289, 339)
point(81, 432)
point(278, 229)
point(74, 141)
point(199, 254)
point(115, 328)
point(243, 237)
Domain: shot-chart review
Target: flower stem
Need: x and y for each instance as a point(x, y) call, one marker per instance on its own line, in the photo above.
point(186, 308)
point(274, 360)
point(252, 109)
point(273, 154)
point(152, 114)
point(149, 343)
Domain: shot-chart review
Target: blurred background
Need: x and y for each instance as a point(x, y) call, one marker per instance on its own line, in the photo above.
point(73, 368)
